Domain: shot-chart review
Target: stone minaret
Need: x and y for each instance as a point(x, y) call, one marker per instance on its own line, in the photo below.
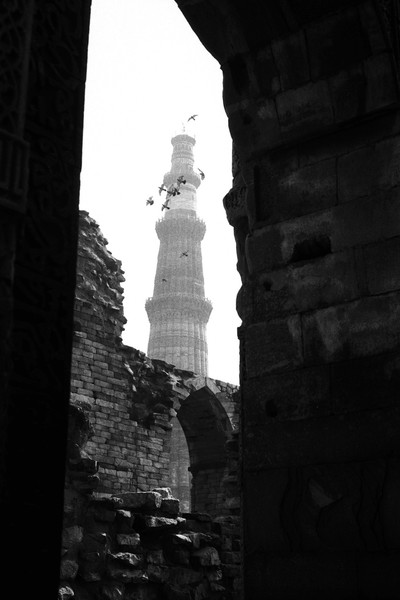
point(178, 311)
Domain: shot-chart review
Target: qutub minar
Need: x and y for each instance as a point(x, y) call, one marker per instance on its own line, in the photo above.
point(179, 311)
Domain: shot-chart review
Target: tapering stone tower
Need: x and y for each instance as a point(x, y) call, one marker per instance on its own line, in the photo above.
point(178, 311)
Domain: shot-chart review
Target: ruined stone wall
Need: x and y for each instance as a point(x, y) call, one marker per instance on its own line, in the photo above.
point(132, 399)
point(137, 544)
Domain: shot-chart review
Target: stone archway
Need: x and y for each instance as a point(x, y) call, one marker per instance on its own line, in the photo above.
point(207, 429)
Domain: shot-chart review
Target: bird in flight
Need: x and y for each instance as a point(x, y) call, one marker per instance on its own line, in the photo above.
point(181, 180)
point(201, 173)
point(184, 254)
point(163, 279)
point(173, 190)
point(162, 189)
point(192, 117)
point(165, 206)
point(150, 200)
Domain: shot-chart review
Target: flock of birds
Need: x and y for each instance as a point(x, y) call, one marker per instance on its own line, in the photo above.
point(173, 189)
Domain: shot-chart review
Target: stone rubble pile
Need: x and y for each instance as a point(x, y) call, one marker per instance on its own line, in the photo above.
point(139, 546)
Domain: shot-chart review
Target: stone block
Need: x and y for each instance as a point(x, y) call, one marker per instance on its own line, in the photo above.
point(182, 576)
point(348, 93)
point(126, 558)
point(206, 557)
point(273, 346)
point(369, 169)
point(305, 286)
point(365, 383)
point(366, 220)
point(290, 54)
point(328, 576)
point(335, 41)
point(355, 436)
point(165, 492)
point(141, 500)
point(150, 521)
point(381, 264)
point(68, 569)
point(293, 192)
point(71, 536)
point(157, 573)
point(124, 521)
point(128, 541)
point(126, 574)
point(381, 82)
point(254, 126)
point(274, 246)
point(266, 73)
point(65, 592)
point(364, 327)
point(304, 110)
point(94, 542)
point(112, 591)
point(155, 557)
point(290, 395)
point(263, 523)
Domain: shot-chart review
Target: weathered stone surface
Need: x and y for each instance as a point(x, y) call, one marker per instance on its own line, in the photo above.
point(69, 569)
point(94, 542)
point(306, 109)
point(363, 172)
point(157, 573)
point(164, 492)
point(155, 557)
point(126, 574)
point(71, 536)
point(381, 261)
point(112, 591)
point(182, 576)
point(360, 328)
point(128, 541)
point(291, 191)
point(154, 522)
point(347, 90)
point(127, 558)
point(273, 346)
point(323, 439)
point(291, 395)
point(170, 506)
point(206, 557)
point(137, 500)
point(290, 55)
point(65, 592)
point(324, 281)
point(365, 383)
point(334, 42)
point(124, 521)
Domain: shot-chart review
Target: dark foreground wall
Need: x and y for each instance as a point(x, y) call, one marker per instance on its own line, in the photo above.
point(43, 46)
point(311, 92)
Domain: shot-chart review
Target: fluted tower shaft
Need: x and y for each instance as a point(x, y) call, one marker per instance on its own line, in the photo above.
point(178, 311)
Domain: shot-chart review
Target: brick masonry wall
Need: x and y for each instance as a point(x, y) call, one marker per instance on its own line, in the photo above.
point(138, 544)
point(131, 399)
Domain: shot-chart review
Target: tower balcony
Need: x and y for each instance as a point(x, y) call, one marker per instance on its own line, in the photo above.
point(181, 225)
point(191, 176)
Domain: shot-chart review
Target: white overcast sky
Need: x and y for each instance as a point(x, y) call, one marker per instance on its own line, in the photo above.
point(147, 73)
